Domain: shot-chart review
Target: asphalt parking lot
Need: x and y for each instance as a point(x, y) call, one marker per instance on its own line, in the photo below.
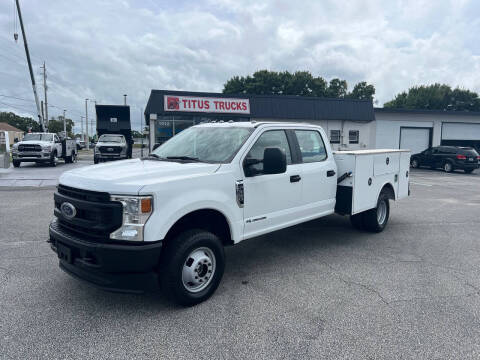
point(321, 290)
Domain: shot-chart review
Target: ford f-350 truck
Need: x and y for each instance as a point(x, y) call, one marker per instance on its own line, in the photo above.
point(165, 219)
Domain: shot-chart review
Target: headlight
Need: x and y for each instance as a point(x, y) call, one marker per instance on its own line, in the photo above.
point(47, 148)
point(136, 211)
point(15, 147)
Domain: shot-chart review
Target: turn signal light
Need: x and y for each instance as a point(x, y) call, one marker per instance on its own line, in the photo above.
point(461, 157)
point(146, 205)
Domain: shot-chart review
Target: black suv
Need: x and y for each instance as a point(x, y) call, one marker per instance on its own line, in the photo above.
point(448, 158)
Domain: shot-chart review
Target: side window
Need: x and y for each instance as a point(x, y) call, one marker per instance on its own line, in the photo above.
point(311, 145)
point(334, 136)
point(353, 136)
point(272, 138)
point(56, 138)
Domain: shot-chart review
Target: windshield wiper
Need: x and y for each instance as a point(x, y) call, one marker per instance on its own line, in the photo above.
point(188, 158)
point(153, 157)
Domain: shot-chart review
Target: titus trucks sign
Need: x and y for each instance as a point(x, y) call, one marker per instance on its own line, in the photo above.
point(206, 104)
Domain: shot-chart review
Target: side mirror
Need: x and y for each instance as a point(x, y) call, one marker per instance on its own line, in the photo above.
point(274, 161)
point(15, 140)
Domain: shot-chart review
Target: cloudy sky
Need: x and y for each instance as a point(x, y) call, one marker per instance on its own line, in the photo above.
point(102, 49)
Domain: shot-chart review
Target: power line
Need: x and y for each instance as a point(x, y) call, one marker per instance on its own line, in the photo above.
point(17, 98)
point(16, 107)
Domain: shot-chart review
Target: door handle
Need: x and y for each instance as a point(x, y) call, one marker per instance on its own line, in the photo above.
point(330, 173)
point(295, 178)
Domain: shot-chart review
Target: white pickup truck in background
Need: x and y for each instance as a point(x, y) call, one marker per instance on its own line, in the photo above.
point(44, 148)
point(166, 218)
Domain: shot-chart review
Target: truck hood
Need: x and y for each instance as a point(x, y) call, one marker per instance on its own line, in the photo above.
point(35, 142)
point(129, 176)
point(110, 144)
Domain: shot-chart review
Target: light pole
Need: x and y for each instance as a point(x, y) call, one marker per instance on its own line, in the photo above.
point(81, 122)
point(125, 99)
point(87, 141)
point(91, 125)
point(64, 124)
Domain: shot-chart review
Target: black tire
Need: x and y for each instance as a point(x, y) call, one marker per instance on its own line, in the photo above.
point(414, 163)
point(448, 167)
point(16, 163)
point(73, 157)
point(53, 161)
point(374, 222)
point(357, 221)
point(468, 171)
point(95, 160)
point(175, 257)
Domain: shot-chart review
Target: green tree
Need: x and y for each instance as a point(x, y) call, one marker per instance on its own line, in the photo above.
point(301, 83)
point(22, 123)
point(362, 91)
point(436, 97)
point(56, 125)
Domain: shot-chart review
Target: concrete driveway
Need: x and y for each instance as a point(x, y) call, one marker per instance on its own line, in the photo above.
point(320, 290)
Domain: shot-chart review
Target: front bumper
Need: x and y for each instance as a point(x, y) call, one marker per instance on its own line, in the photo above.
point(37, 156)
point(114, 267)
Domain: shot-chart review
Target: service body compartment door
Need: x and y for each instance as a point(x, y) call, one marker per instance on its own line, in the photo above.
point(403, 175)
point(386, 163)
point(364, 196)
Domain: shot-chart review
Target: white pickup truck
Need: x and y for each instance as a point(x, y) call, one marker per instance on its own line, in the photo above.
point(165, 219)
point(43, 148)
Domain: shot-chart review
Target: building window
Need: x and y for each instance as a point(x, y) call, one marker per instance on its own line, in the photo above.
point(334, 136)
point(353, 136)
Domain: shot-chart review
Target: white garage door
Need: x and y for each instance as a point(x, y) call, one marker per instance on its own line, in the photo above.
point(456, 131)
point(416, 140)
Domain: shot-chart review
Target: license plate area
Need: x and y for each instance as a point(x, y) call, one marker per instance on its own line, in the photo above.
point(64, 253)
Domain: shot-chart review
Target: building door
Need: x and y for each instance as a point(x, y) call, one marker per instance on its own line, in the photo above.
point(461, 134)
point(415, 139)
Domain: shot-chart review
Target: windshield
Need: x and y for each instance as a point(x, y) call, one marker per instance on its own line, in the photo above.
point(38, 137)
point(207, 144)
point(111, 138)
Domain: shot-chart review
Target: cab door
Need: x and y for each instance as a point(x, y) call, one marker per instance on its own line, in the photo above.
point(270, 200)
point(319, 174)
point(58, 145)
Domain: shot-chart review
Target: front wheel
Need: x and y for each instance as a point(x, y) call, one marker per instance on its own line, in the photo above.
point(16, 163)
point(448, 167)
point(375, 220)
point(414, 163)
point(191, 267)
point(53, 159)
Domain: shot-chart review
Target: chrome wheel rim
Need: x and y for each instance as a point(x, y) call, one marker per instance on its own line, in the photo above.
point(448, 167)
point(414, 163)
point(198, 269)
point(381, 212)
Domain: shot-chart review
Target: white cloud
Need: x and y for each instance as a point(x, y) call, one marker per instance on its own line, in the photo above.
point(103, 49)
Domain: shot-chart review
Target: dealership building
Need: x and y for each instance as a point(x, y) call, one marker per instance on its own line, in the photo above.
point(349, 123)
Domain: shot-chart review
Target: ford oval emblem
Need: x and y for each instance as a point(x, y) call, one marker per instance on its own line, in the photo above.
point(68, 210)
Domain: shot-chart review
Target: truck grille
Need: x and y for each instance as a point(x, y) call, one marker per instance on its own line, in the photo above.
point(114, 149)
point(29, 147)
point(96, 216)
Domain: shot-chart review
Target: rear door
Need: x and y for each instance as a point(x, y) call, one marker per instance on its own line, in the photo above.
point(319, 178)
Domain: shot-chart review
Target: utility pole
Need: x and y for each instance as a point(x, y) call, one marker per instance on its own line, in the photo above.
point(34, 86)
point(64, 124)
point(125, 99)
point(45, 92)
point(81, 134)
point(96, 118)
point(42, 109)
point(141, 130)
point(87, 142)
